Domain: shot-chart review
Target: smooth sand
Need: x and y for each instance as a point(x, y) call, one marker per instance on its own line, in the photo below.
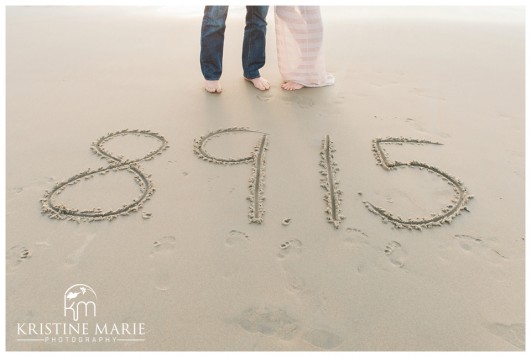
point(196, 272)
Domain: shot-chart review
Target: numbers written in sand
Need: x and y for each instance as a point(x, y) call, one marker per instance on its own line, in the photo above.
point(116, 163)
point(330, 183)
point(257, 160)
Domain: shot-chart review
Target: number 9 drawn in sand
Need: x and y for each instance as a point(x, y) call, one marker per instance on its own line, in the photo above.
point(446, 215)
point(116, 164)
point(257, 159)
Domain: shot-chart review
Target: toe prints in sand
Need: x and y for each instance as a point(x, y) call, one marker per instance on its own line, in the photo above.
point(117, 163)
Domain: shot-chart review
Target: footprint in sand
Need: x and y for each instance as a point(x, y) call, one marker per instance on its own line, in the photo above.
point(358, 240)
point(15, 256)
point(304, 102)
point(291, 247)
point(18, 190)
point(478, 246)
point(355, 235)
point(514, 334)
point(293, 281)
point(396, 254)
point(467, 242)
point(37, 184)
point(323, 339)
point(268, 321)
point(264, 97)
point(272, 321)
point(162, 257)
point(236, 238)
point(369, 254)
point(74, 257)
point(237, 242)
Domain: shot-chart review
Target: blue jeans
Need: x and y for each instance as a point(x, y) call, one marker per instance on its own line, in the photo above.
point(213, 34)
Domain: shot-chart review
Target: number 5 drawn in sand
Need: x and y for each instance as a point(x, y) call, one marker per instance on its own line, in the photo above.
point(446, 215)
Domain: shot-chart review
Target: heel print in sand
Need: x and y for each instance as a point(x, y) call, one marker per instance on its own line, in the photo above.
point(458, 203)
point(116, 163)
point(257, 159)
point(163, 260)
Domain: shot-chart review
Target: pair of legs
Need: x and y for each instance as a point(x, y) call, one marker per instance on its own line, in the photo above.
point(253, 51)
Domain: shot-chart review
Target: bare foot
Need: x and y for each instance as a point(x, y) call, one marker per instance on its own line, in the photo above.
point(260, 83)
point(291, 86)
point(213, 86)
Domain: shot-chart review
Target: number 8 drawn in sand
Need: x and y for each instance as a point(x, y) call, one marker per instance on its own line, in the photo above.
point(446, 215)
point(116, 164)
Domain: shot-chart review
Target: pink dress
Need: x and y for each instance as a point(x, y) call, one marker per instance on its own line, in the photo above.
point(299, 33)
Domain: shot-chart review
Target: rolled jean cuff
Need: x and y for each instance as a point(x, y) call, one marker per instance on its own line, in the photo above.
point(252, 75)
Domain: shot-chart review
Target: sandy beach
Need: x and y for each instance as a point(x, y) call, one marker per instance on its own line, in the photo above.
point(383, 213)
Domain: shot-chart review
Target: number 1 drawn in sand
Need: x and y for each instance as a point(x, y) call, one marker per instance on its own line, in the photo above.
point(330, 183)
point(452, 210)
point(257, 159)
